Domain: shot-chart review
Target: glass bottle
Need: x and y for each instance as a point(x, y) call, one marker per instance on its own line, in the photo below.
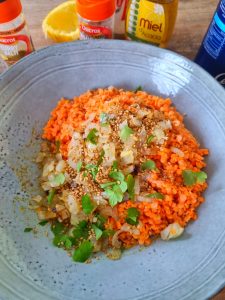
point(15, 40)
point(96, 18)
point(120, 17)
point(211, 53)
point(151, 21)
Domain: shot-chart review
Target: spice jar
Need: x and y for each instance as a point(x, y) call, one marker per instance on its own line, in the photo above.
point(15, 40)
point(96, 18)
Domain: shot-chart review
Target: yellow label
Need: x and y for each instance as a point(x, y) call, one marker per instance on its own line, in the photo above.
point(145, 21)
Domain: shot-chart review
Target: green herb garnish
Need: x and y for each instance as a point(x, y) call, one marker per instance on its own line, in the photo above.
point(108, 233)
point(93, 169)
point(130, 185)
point(87, 205)
point(148, 165)
point(150, 139)
point(51, 196)
point(123, 186)
point(61, 237)
point(83, 252)
point(117, 175)
point(85, 174)
point(201, 177)
point(63, 240)
point(139, 88)
point(115, 195)
point(115, 165)
point(59, 179)
point(191, 177)
point(79, 166)
point(28, 229)
point(100, 221)
point(81, 230)
point(43, 223)
point(57, 241)
point(115, 190)
point(107, 184)
point(125, 133)
point(156, 196)
point(92, 136)
point(101, 156)
point(104, 119)
point(58, 228)
point(98, 232)
point(132, 216)
point(68, 243)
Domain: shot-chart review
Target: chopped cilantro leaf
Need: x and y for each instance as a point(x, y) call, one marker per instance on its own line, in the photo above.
point(132, 216)
point(57, 240)
point(125, 133)
point(92, 136)
point(59, 179)
point(79, 166)
point(148, 165)
point(118, 187)
point(87, 205)
point(123, 186)
point(104, 118)
point(117, 175)
point(115, 195)
point(43, 223)
point(130, 186)
point(107, 184)
point(98, 231)
point(107, 233)
point(57, 228)
point(201, 177)
point(28, 229)
point(93, 169)
point(150, 139)
point(83, 252)
point(101, 156)
point(51, 196)
point(139, 88)
point(63, 240)
point(156, 196)
point(85, 174)
point(81, 230)
point(190, 177)
point(115, 165)
point(68, 242)
point(100, 221)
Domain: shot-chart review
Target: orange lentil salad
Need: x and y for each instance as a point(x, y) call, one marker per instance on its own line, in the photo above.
point(119, 169)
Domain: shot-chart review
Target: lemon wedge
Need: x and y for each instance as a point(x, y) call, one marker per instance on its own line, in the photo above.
point(61, 24)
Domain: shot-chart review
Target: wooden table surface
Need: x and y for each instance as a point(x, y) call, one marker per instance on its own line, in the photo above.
point(193, 19)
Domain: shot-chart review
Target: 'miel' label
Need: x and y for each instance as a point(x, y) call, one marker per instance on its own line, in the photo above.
point(145, 21)
point(94, 32)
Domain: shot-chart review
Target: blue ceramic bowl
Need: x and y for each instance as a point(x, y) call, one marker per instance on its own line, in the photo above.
point(192, 267)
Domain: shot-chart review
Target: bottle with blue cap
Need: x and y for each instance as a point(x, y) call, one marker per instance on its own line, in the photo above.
point(211, 55)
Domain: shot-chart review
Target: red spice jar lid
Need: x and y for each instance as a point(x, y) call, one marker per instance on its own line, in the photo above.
point(96, 10)
point(9, 10)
